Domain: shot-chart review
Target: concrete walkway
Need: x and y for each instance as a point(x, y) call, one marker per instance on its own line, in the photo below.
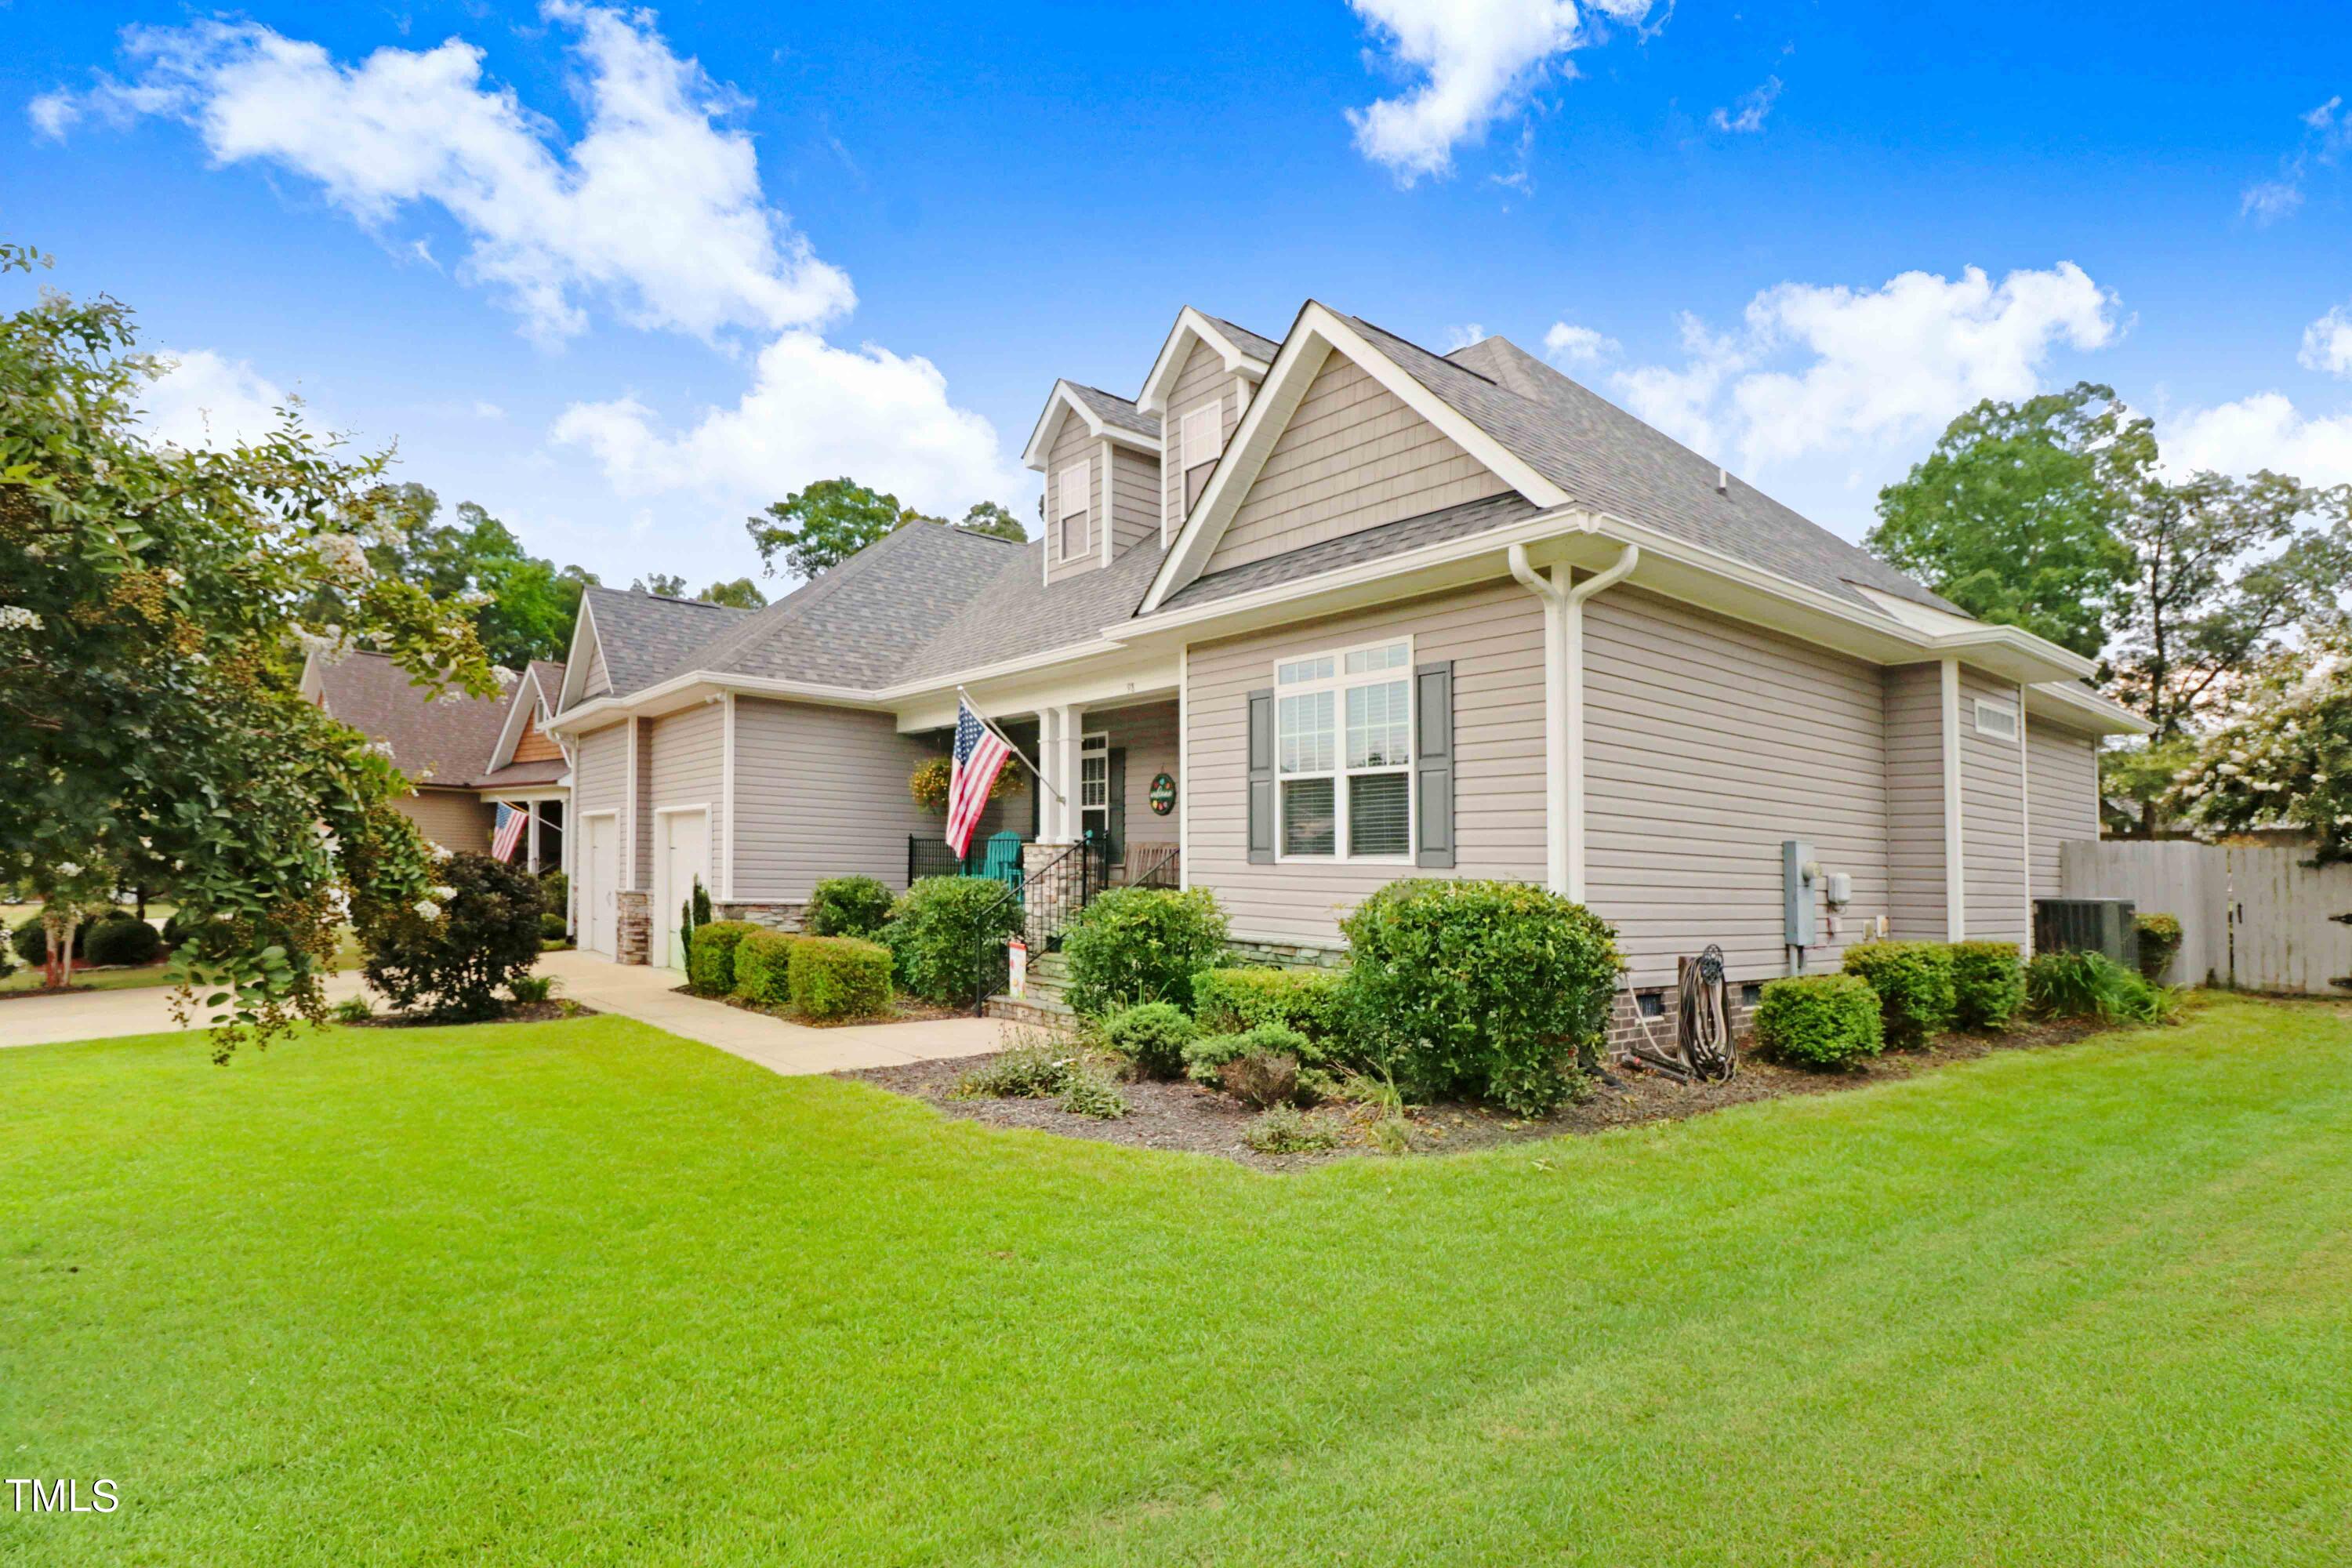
point(633, 990)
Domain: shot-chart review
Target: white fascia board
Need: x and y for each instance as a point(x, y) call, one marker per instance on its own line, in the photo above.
point(702, 686)
point(1060, 405)
point(520, 703)
point(575, 664)
point(1111, 680)
point(1193, 327)
point(2080, 708)
point(1319, 334)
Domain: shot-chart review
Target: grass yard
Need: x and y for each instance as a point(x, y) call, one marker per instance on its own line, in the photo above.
point(578, 1292)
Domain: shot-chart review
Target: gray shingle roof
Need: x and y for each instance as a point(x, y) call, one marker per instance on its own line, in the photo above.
point(1018, 613)
point(1249, 342)
point(644, 635)
point(1113, 409)
point(1608, 460)
point(1463, 521)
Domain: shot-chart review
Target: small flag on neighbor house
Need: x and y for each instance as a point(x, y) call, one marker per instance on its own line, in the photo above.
point(508, 836)
point(980, 753)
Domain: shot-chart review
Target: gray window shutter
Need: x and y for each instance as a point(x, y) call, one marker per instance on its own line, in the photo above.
point(1261, 777)
point(1115, 798)
point(1433, 764)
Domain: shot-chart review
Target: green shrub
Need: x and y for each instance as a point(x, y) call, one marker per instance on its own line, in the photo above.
point(2093, 986)
point(846, 906)
point(352, 1010)
point(839, 977)
point(1206, 1059)
point(552, 927)
point(1490, 988)
point(1035, 1068)
point(2160, 940)
point(1152, 1036)
point(1089, 1091)
point(1141, 944)
point(531, 988)
point(32, 941)
point(1987, 984)
point(710, 956)
point(763, 967)
point(175, 931)
point(1914, 982)
point(1822, 1020)
point(127, 940)
point(1285, 1130)
point(947, 935)
point(482, 932)
point(555, 891)
point(1315, 1002)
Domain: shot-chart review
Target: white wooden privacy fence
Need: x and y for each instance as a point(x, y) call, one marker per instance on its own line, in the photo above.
point(2260, 919)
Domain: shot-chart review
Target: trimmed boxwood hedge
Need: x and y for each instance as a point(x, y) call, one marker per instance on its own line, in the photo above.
point(1151, 1034)
point(1914, 982)
point(710, 956)
point(839, 977)
point(1821, 1020)
point(846, 906)
point(1141, 945)
point(1987, 984)
point(948, 934)
point(1315, 1002)
point(763, 967)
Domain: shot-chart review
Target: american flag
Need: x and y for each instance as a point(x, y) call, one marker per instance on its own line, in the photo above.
point(980, 753)
point(508, 836)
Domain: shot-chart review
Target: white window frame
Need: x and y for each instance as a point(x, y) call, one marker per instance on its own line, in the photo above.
point(1212, 415)
point(1093, 746)
point(1336, 683)
point(2006, 729)
point(1079, 477)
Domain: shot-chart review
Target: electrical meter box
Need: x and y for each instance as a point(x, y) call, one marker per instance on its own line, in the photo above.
point(1800, 875)
point(1840, 892)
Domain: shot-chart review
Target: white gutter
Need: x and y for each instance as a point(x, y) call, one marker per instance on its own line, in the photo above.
point(1564, 708)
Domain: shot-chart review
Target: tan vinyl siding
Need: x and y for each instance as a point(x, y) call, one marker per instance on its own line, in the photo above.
point(1351, 456)
point(1203, 379)
point(1706, 743)
point(1072, 445)
point(640, 870)
point(821, 791)
point(596, 678)
point(1493, 635)
point(2062, 786)
point(1915, 802)
point(1135, 504)
point(688, 761)
point(1992, 829)
point(1148, 735)
point(455, 819)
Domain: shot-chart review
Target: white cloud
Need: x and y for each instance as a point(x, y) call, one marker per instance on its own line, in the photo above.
point(656, 208)
point(204, 400)
point(1462, 337)
point(1753, 108)
point(2327, 344)
point(812, 412)
point(2264, 431)
point(1470, 63)
point(1815, 370)
point(2326, 137)
point(1566, 344)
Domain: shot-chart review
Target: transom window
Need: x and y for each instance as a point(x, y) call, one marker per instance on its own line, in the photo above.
point(1343, 753)
point(1073, 513)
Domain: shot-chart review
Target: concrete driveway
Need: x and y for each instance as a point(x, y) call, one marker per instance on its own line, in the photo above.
point(633, 990)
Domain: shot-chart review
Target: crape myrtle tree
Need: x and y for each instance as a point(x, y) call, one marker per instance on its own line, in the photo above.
point(155, 604)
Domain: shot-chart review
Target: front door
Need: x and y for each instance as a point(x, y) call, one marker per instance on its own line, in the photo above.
point(683, 844)
point(600, 877)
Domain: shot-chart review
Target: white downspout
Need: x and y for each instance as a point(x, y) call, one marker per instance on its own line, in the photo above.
point(1564, 709)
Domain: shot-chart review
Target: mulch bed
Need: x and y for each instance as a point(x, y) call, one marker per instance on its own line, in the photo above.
point(903, 1010)
point(1184, 1117)
point(515, 1013)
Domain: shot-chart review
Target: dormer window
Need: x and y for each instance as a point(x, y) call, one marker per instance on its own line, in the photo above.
point(1201, 442)
point(1072, 518)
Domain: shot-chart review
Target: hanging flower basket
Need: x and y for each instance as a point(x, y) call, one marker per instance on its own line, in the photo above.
point(928, 784)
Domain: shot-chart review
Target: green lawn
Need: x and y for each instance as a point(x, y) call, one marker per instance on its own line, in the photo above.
point(582, 1292)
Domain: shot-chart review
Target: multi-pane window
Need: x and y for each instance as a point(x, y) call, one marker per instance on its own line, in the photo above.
point(1343, 753)
point(1073, 513)
point(1094, 785)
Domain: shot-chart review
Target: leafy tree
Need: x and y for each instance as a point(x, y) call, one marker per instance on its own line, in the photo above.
point(522, 606)
point(2286, 761)
point(987, 517)
point(669, 585)
point(823, 526)
point(742, 594)
point(153, 606)
point(2017, 514)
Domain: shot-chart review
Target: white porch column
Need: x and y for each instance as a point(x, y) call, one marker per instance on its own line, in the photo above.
point(531, 833)
point(1061, 732)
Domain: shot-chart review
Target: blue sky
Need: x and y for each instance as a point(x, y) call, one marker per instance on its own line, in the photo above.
point(623, 277)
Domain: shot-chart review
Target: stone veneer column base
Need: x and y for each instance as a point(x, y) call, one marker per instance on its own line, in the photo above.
point(773, 916)
point(632, 927)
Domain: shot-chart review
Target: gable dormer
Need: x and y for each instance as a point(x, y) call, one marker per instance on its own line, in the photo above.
point(1199, 386)
point(1100, 457)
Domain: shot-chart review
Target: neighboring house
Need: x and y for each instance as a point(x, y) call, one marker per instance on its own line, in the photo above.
point(464, 756)
point(1372, 612)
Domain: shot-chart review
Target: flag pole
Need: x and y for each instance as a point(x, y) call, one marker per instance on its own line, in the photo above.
point(990, 725)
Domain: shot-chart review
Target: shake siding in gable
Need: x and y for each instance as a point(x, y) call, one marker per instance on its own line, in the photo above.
point(821, 791)
point(1135, 509)
point(2062, 784)
point(1493, 635)
point(1706, 743)
point(1072, 444)
point(1915, 803)
point(1992, 830)
point(687, 754)
point(1352, 457)
point(1203, 378)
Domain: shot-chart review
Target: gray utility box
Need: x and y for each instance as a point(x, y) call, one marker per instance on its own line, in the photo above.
point(2088, 925)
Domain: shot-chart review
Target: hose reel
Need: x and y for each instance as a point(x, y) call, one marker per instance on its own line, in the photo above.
point(1703, 1050)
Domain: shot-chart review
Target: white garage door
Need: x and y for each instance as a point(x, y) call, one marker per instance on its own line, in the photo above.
point(681, 857)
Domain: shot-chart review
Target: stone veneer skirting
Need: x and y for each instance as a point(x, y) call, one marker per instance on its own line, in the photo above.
point(632, 927)
point(774, 916)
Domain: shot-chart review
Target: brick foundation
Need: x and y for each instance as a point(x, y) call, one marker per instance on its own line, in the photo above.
point(1625, 1021)
point(632, 927)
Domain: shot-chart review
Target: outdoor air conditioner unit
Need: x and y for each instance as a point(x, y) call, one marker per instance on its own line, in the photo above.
point(2088, 925)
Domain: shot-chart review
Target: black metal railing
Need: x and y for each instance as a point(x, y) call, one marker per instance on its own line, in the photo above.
point(1054, 891)
point(928, 855)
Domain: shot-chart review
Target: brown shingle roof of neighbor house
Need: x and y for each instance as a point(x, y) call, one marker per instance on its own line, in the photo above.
point(440, 741)
point(643, 634)
point(546, 770)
